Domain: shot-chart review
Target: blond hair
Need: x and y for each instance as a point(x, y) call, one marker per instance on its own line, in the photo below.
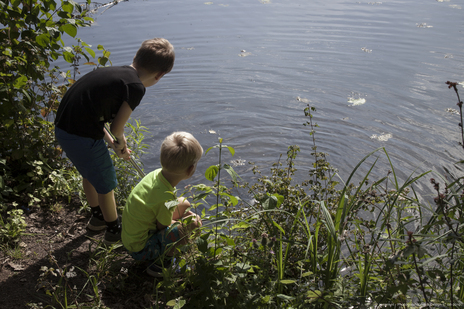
point(156, 56)
point(179, 151)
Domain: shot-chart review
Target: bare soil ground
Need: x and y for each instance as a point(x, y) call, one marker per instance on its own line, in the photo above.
point(58, 243)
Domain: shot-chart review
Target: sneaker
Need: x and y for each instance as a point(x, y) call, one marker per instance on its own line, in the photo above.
point(156, 270)
point(96, 224)
point(111, 238)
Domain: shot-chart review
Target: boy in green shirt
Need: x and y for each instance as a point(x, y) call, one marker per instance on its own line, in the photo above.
point(145, 219)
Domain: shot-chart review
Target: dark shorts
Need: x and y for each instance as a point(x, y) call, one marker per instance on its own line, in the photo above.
point(156, 244)
point(91, 158)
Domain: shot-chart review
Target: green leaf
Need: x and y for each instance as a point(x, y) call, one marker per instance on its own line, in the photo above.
point(20, 82)
point(54, 32)
point(241, 225)
point(280, 199)
point(285, 297)
point(213, 207)
point(67, 7)
point(102, 60)
point(313, 294)
point(278, 226)
point(43, 39)
point(287, 281)
point(211, 172)
point(8, 122)
point(273, 201)
point(69, 57)
point(15, 3)
point(243, 266)
point(231, 150)
point(421, 251)
point(306, 274)
point(202, 244)
point(232, 198)
point(408, 251)
point(212, 147)
point(328, 221)
point(70, 29)
point(180, 304)
point(90, 51)
point(200, 196)
point(171, 204)
point(7, 51)
point(231, 172)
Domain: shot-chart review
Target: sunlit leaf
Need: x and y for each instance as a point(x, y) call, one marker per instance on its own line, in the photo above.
point(231, 172)
point(43, 39)
point(211, 172)
point(278, 226)
point(285, 297)
point(20, 82)
point(232, 198)
point(69, 57)
point(231, 150)
point(70, 29)
point(90, 51)
point(102, 60)
point(212, 147)
point(241, 225)
point(171, 204)
point(67, 7)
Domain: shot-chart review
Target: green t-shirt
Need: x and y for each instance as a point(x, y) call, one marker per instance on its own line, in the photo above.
point(145, 206)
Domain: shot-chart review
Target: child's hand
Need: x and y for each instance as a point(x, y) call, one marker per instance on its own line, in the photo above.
point(124, 153)
point(120, 143)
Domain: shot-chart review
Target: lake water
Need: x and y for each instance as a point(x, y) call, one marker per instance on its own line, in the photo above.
point(245, 70)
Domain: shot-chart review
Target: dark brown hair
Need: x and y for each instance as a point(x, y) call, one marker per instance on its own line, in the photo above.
point(156, 56)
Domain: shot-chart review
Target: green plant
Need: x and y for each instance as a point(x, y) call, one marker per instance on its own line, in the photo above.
point(58, 283)
point(126, 175)
point(12, 227)
point(31, 39)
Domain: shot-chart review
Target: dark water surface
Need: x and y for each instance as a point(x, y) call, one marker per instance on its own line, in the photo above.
point(245, 70)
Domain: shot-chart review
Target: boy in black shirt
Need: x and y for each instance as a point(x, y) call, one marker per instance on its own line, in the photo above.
point(107, 95)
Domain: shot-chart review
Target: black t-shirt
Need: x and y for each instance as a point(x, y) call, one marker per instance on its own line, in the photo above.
point(95, 99)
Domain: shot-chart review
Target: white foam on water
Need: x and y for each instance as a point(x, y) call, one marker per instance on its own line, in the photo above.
point(382, 137)
point(304, 100)
point(359, 101)
point(452, 111)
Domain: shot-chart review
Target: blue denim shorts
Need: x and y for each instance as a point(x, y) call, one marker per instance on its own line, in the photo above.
point(91, 158)
point(156, 244)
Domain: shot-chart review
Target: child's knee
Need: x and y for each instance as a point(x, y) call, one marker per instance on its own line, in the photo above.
point(183, 202)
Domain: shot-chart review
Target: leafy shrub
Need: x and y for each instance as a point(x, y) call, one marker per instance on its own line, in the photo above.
point(31, 39)
point(126, 174)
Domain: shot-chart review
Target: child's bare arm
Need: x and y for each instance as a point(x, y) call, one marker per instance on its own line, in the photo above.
point(181, 208)
point(119, 122)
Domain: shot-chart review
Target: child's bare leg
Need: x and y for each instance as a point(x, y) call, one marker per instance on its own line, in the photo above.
point(108, 206)
point(106, 202)
point(90, 193)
